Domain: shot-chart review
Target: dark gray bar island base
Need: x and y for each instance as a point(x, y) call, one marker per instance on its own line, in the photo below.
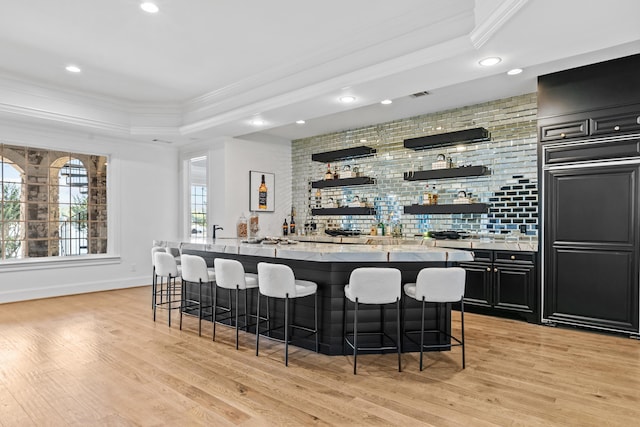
point(331, 278)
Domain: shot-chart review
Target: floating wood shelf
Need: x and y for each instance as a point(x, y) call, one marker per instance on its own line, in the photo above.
point(343, 182)
point(469, 208)
point(446, 173)
point(343, 211)
point(347, 153)
point(465, 136)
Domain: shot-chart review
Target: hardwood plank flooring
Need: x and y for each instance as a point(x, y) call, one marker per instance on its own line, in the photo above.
point(99, 359)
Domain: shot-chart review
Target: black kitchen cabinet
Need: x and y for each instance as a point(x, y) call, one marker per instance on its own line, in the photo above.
point(591, 274)
point(589, 156)
point(503, 283)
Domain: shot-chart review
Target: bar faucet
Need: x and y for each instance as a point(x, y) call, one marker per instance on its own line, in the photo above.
point(216, 227)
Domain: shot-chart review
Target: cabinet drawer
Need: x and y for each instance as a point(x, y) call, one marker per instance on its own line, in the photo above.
point(592, 151)
point(558, 131)
point(615, 123)
point(515, 256)
point(482, 255)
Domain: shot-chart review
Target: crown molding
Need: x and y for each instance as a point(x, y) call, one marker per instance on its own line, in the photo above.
point(500, 16)
point(39, 114)
point(405, 62)
point(305, 66)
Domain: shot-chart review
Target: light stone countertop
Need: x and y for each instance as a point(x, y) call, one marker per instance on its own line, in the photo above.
point(323, 252)
point(524, 244)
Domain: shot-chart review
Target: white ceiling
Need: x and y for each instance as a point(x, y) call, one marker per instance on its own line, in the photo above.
point(201, 69)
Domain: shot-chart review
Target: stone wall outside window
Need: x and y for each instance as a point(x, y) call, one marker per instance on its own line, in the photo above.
point(39, 219)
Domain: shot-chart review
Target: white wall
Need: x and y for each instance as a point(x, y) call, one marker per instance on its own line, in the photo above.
point(143, 205)
point(230, 160)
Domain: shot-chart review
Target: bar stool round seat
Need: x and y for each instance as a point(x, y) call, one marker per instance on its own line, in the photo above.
point(278, 281)
point(379, 286)
point(194, 270)
point(230, 275)
point(439, 285)
point(165, 267)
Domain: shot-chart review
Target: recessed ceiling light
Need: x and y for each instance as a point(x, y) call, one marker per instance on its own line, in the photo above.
point(300, 122)
point(149, 7)
point(514, 71)
point(363, 140)
point(257, 122)
point(347, 99)
point(386, 102)
point(488, 62)
point(72, 68)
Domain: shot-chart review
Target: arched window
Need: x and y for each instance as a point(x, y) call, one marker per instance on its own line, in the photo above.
point(12, 225)
point(53, 203)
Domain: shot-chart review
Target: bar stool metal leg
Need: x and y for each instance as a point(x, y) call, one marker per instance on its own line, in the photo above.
point(355, 337)
point(286, 331)
point(398, 336)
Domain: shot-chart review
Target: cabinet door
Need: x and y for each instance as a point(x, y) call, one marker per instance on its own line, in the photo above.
point(478, 288)
point(514, 287)
point(591, 246)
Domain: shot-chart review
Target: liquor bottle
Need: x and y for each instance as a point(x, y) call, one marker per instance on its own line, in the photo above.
point(335, 173)
point(292, 224)
point(426, 196)
point(434, 196)
point(262, 195)
point(318, 198)
point(328, 174)
point(285, 228)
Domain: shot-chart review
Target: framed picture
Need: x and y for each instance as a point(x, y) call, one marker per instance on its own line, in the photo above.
point(262, 187)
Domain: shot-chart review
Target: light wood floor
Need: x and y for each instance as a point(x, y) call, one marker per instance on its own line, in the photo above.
point(99, 359)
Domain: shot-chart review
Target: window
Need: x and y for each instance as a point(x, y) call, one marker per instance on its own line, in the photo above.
point(198, 196)
point(53, 203)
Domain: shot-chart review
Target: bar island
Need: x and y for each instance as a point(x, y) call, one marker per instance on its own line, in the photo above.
point(329, 265)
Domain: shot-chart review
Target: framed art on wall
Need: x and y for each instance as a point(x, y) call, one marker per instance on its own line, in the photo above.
point(261, 191)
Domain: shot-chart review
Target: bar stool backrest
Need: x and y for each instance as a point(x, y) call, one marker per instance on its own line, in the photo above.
point(439, 284)
point(194, 268)
point(165, 265)
point(153, 254)
point(376, 285)
point(229, 273)
point(276, 280)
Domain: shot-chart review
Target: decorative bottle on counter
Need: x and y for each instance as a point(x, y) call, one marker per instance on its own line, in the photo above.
point(335, 173)
point(262, 195)
point(241, 226)
point(328, 174)
point(292, 224)
point(285, 228)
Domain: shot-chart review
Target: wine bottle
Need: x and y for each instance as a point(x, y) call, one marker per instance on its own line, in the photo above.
point(292, 224)
point(285, 228)
point(328, 174)
point(262, 195)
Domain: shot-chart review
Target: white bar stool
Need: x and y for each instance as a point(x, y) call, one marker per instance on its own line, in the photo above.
point(194, 270)
point(230, 275)
point(165, 268)
point(441, 286)
point(154, 277)
point(373, 285)
point(278, 281)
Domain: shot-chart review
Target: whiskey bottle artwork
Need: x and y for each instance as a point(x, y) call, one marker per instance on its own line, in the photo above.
point(262, 195)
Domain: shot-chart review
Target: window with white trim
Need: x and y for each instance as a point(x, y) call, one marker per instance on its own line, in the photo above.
point(53, 203)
